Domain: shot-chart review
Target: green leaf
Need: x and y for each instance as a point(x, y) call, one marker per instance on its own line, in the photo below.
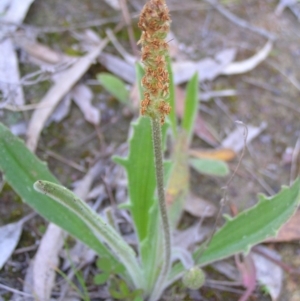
point(114, 86)
point(102, 230)
point(248, 228)
point(140, 170)
point(124, 288)
point(191, 107)
point(210, 166)
point(253, 225)
point(21, 170)
point(101, 278)
point(104, 265)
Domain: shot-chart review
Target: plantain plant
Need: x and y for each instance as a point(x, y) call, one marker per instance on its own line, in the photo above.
point(150, 269)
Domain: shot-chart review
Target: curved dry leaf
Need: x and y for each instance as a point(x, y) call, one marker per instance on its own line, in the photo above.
point(250, 63)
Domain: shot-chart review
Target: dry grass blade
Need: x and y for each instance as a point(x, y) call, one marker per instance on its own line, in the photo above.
point(67, 80)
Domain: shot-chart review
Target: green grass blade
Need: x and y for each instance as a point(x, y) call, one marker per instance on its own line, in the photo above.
point(21, 170)
point(114, 86)
point(102, 230)
point(191, 107)
point(248, 228)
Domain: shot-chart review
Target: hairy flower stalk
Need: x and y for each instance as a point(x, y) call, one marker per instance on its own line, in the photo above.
point(155, 23)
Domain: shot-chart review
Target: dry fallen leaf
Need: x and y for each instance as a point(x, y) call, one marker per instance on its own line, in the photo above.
point(207, 68)
point(82, 96)
point(236, 139)
point(61, 111)
point(282, 5)
point(118, 66)
point(191, 236)
point(115, 4)
point(39, 51)
point(199, 207)
point(268, 273)
point(250, 63)
point(9, 238)
point(289, 231)
point(13, 11)
point(223, 154)
point(46, 260)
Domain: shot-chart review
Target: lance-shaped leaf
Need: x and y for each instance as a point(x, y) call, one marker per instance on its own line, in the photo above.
point(248, 228)
point(102, 230)
point(21, 170)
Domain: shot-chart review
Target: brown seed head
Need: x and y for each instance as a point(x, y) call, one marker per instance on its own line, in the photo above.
point(155, 23)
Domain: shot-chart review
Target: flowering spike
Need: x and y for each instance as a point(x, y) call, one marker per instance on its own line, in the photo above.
point(155, 23)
